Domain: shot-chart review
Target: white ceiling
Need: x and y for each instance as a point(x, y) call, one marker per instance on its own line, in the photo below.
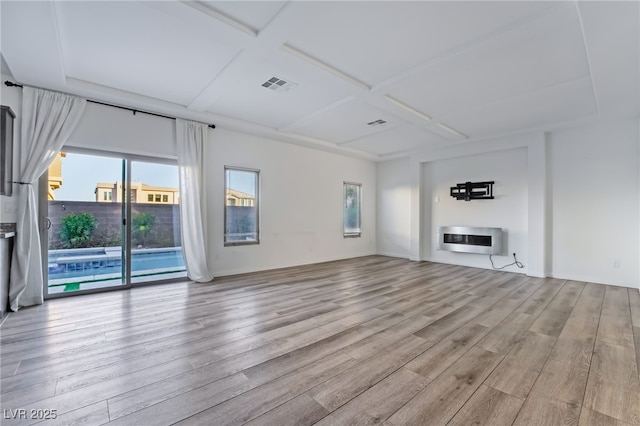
point(482, 69)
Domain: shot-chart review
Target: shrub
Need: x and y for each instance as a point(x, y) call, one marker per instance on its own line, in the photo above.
point(141, 227)
point(76, 229)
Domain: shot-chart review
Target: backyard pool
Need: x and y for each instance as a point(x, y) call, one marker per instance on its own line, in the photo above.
point(92, 264)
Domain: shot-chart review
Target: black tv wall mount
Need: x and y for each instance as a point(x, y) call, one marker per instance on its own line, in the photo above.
point(473, 191)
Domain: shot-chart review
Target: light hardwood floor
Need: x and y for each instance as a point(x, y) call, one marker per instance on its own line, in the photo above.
point(372, 340)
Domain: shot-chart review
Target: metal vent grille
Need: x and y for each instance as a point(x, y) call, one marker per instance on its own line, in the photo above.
point(278, 85)
point(376, 123)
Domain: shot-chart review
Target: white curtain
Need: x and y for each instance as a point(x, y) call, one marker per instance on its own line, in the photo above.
point(191, 137)
point(48, 118)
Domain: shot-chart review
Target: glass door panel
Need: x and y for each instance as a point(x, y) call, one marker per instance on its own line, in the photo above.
point(86, 206)
point(156, 249)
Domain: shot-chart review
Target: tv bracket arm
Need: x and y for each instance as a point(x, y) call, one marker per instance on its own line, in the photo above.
point(473, 191)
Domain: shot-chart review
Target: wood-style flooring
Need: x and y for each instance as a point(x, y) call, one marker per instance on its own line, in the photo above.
point(372, 340)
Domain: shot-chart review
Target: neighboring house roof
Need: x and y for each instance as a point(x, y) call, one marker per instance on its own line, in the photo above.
point(138, 185)
point(239, 194)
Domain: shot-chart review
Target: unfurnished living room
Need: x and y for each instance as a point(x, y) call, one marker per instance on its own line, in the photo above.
point(320, 212)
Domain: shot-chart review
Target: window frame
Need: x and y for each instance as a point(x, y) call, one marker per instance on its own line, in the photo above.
point(345, 233)
point(257, 206)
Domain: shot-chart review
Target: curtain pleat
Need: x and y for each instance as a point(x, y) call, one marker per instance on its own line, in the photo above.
point(48, 118)
point(190, 138)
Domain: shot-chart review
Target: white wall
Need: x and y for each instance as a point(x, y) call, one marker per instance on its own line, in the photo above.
point(595, 198)
point(580, 186)
point(592, 193)
point(300, 188)
point(507, 211)
point(12, 97)
point(393, 208)
point(300, 204)
point(117, 130)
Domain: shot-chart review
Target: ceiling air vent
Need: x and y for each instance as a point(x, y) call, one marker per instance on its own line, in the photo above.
point(376, 123)
point(278, 85)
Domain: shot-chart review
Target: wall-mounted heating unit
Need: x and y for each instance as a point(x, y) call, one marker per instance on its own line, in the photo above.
point(470, 240)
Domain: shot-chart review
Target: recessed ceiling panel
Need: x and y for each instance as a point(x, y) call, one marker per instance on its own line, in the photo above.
point(133, 47)
point(29, 43)
point(545, 52)
point(350, 120)
point(612, 33)
point(483, 68)
point(244, 90)
point(255, 14)
point(398, 140)
point(567, 102)
point(373, 41)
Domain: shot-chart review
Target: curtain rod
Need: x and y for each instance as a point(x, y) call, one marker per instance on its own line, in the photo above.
point(12, 84)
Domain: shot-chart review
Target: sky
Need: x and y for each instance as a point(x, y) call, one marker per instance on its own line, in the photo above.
point(241, 181)
point(81, 173)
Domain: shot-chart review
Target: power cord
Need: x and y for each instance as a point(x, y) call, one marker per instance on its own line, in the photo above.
point(515, 262)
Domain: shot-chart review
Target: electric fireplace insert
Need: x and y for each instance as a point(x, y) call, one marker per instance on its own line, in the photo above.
point(466, 239)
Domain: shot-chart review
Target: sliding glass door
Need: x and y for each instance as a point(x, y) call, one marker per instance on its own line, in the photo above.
point(86, 235)
point(111, 222)
point(156, 251)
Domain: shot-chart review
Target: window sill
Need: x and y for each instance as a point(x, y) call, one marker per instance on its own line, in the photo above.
point(241, 243)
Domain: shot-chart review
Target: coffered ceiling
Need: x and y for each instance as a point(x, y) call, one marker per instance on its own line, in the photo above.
point(374, 79)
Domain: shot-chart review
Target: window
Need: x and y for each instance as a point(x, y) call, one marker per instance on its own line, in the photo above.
point(150, 198)
point(241, 219)
point(165, 198)
point(352, 201)
point(157, 198)
point(105, 196)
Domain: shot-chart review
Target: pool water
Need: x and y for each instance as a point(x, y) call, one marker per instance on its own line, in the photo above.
point(78, 263)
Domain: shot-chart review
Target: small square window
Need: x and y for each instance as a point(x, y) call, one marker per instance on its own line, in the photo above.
point(157, 198)
point(165, 198)
point(150, 198)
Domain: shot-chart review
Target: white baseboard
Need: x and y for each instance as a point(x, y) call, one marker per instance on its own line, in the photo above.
point(247, 270)
point(389, 254)
point(572, 277)
point(588, 279)
point(515, 271)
